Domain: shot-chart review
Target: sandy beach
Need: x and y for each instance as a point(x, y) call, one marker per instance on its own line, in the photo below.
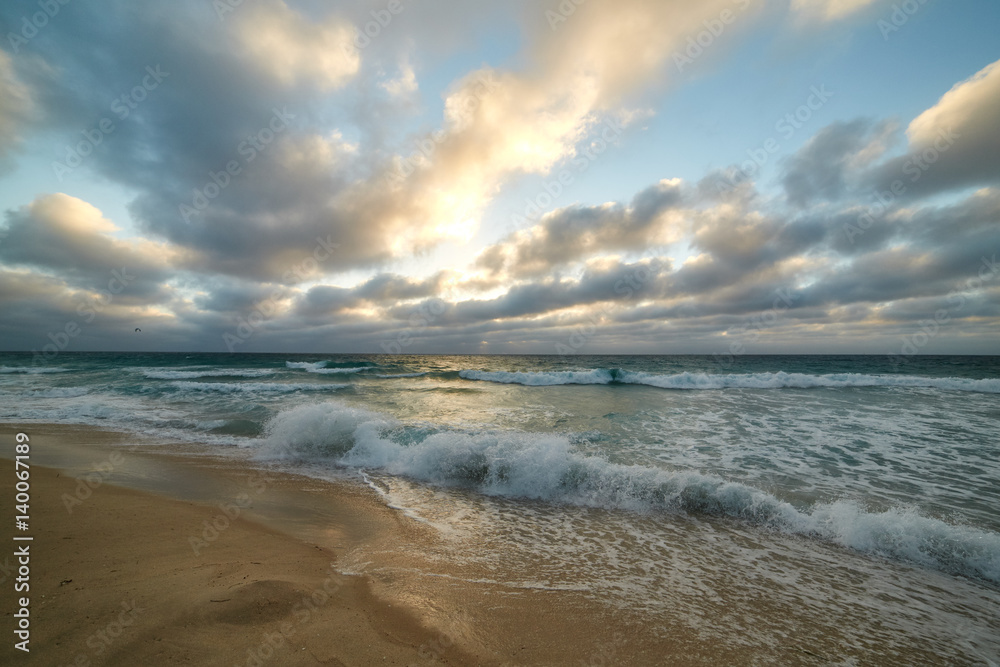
point(156, 555)
point(130, 577)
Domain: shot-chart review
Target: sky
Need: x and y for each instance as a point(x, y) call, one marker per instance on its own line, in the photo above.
point(720, 177)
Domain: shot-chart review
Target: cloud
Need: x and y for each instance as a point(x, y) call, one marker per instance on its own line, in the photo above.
point(606, 281)
point(955, 143)
point(294, 49)
point(227, 79)
point(829, 10)
point(502, 124)
point(403, 86)
point(68, 237)
point(16, 107)
point(822, 168)
point(329, 200)
point(577, 232)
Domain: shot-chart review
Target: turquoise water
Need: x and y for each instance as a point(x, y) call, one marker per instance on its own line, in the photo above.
point(800, 443)
point(889, 460)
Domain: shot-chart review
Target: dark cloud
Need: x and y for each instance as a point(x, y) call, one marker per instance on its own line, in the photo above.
point(68, 237)
point(825, 166)
point(266, 162)
point(576, 232)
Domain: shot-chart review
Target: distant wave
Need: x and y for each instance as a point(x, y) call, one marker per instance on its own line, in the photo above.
point(306, 365)
point(262, 387)
point(32, 370)
point(401, 375)
point(596, 376)
point(60, 392)
point(167, 374)
point(340, 371)
point(545, 467)
point(704, 381)
point(321, 368)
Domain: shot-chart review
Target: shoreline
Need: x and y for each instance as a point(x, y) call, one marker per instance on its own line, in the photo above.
point(220, 551)
point(126, 576)
point(137, 526)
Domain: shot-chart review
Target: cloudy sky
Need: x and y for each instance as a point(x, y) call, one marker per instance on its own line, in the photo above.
point(583, 176)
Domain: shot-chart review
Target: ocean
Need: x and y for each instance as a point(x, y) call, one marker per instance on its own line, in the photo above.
point(849, 503)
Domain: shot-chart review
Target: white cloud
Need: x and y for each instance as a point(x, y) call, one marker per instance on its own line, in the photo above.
point(291, 48)
point(971, 108)
point(404, 85)
point(829, 10)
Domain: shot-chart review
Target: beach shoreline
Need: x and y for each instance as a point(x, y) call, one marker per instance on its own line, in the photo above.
point(158, 552)
point(219, 554)
point(126, 576)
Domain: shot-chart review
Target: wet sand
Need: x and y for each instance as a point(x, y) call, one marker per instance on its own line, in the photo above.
point(120, 576)
point(146, 554)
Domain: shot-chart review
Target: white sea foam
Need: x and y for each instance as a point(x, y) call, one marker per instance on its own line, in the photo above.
point(547, 467)
point(32, 370)
point(320, 367)
point(703, 381)
point(596, 376)
point(783, 380)
point(59, 392)
point(338, 371)
point(306, 365)
point(168, 374)
point(264, 387)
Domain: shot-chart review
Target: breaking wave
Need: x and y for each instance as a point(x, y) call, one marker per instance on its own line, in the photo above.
point(167, 374)
point(547, 467)
point(706, 381)
point(262, 387)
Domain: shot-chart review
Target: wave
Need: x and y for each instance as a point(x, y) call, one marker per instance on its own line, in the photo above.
point(260, 387)
point(708, 381)
point(321, 367)
point(401, 375)
point(546, 467)
point(58, 392)
point(306, 365)
point(595, 376)
point(340, 371)
point(33, 370)
point(167, 374)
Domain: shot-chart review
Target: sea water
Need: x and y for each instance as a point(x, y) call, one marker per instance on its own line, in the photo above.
point(683, 487)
